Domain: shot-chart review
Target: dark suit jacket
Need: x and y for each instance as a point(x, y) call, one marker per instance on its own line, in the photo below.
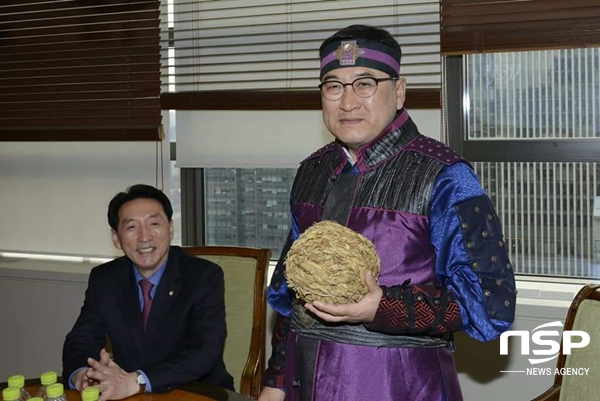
point(186, 327)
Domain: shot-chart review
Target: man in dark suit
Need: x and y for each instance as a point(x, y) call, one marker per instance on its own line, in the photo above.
point(162, 309)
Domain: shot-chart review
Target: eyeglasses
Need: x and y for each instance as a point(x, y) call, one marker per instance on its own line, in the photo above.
point(363, 87)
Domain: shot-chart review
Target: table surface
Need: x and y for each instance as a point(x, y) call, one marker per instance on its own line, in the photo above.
point(193, 391)
point(179, 395)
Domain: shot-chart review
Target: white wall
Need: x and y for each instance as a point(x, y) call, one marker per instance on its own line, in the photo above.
point(428, 121)
point(40, 303)
point(258, 139)
point(479, 365)
point(55, 195)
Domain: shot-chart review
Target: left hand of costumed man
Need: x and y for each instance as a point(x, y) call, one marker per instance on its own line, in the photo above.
point(355, 312)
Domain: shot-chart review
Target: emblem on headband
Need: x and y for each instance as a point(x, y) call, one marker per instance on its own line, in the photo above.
point(348, 52)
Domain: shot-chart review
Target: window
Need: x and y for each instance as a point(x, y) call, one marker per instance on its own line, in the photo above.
point(531, 123)
point(248, 207)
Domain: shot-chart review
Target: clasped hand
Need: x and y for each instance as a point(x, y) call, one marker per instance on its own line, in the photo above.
point(114, 383)
point(355, 312)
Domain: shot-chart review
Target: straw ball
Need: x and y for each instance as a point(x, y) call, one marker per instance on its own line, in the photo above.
point(328, 263)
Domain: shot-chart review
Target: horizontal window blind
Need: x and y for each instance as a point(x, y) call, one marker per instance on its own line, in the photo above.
point(79, 70)
point(273, 45)
point(474, 26)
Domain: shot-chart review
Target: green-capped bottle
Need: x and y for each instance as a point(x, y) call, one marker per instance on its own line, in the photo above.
point(55, 392)
point(46, 378)
point(11, 394)
point(18, 381)
point(91, 393)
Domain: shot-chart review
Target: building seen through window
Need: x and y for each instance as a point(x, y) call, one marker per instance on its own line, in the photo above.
point(248, 207)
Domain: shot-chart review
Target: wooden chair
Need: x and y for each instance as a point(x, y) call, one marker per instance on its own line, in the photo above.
point(584, 314)
point(245, 272)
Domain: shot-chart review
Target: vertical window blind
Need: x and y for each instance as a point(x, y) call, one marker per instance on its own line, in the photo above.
point(79, 70)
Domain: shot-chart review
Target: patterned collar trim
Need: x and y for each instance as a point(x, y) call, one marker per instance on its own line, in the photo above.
point(391, 141)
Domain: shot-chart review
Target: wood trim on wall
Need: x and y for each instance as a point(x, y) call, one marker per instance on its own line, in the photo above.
point(275, 100)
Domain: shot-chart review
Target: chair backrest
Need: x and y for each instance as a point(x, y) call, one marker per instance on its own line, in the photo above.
point(245, 271)
point(584, 314)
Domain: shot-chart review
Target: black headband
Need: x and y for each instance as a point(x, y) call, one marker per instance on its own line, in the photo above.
point(360, 53)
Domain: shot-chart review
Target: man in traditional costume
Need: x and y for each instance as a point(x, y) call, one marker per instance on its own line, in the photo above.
point(444, 265)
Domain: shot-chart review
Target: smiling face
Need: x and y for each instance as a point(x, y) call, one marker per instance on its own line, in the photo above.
point(144, 234)
point(356, 121)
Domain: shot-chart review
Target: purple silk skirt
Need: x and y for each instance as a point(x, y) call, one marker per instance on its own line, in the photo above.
point(356, 373)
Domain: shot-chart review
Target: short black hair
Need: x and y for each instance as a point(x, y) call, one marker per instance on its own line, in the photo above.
point(362, 32)
point(138, 191)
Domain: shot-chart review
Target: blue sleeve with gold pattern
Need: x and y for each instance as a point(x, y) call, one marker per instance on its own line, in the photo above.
point(278, 294)
point(472, 261)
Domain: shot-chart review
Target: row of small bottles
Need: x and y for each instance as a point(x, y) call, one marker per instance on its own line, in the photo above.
point(49, 391)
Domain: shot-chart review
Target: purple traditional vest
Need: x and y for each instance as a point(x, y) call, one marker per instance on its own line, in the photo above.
point(388, 202)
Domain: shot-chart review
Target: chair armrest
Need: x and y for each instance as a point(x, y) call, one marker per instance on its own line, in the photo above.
point(552, 394)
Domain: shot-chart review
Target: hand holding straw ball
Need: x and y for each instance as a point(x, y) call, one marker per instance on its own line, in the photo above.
point(328, 263)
